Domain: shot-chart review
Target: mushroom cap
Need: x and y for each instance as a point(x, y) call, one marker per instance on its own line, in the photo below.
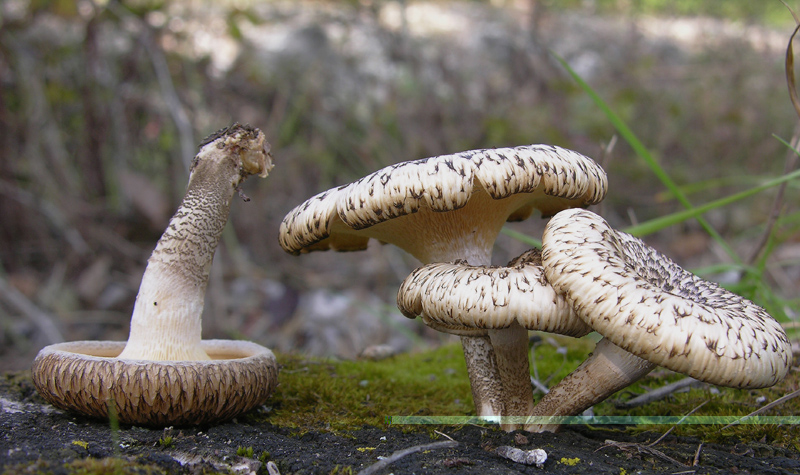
point(645, 303)
point(543, 177)
point(467, 300)
point(86, 376)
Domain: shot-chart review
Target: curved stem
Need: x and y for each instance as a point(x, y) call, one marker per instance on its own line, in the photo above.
point(606, 371)
point(166, 320)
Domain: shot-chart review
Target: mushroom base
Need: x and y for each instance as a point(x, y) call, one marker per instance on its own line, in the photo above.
point(88, 378)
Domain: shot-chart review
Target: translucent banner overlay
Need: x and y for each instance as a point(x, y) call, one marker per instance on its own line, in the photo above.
point(591, 420)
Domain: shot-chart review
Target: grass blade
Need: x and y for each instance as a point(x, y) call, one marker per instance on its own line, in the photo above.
point(523, 238)
point(662, 222)
point(651, 162)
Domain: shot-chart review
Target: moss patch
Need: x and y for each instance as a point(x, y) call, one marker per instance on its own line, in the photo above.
point(343, 395)
point(326, 393)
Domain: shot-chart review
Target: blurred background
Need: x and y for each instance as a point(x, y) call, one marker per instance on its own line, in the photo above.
point(103, 104)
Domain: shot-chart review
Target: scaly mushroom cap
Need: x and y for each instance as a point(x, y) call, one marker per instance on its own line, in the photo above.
point(490, 186)
point(646, 304)
point(86, 376)
point(467, 300)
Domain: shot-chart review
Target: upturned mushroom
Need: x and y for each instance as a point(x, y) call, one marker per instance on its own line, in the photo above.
point(450, 207)
point(469, 300)
point(650, 312)
point(165, 374)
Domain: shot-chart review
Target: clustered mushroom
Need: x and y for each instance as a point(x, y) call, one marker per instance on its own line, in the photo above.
point(462, 299)
point(165, 374)
point(450, 207)
point(650, 312)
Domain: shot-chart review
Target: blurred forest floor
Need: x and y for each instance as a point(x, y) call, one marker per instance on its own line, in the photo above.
point(103, 104)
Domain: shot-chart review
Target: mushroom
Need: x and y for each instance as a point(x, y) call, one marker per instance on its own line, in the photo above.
point(165, 374)
point(450, 207)
point(469, 300)
point(650, 312)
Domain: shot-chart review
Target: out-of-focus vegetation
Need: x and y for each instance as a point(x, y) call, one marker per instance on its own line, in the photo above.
point(103, 103)
point(771, 13)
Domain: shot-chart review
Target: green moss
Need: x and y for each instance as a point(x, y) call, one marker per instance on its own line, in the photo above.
point(339, 395)
point(244, 452)
point(167, 441)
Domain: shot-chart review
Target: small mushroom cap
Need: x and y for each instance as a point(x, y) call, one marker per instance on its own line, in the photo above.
point(643, 302)
point(543, 177)
point(464, 299)
point(86, 377)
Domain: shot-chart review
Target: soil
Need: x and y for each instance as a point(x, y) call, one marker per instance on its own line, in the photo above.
point(36, 438)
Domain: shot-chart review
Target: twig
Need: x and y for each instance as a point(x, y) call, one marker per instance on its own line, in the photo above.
point(445, 435)
point(165, 83)
point(51, 212)
point(676, 425)
point(766, 407)
point(20, 303)
point(777, 204)
point(657, 394)
point(641, 448)
point(402, 453)
point(539, 386)
point(696, 460)
point(649, 447)
point(605, 159)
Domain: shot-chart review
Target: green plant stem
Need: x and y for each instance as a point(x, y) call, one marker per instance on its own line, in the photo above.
point(656, 224)
point(521, 237)
point(645, 155)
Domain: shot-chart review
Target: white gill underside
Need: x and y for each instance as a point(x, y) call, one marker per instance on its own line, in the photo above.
point(467, 233)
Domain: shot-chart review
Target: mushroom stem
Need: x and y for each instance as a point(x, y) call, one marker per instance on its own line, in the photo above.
point(606, 371)
point(484, 380)
point(511, 350)
point(166, 320)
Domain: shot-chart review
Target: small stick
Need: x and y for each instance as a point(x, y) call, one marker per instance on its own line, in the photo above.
point(681, 420)
point(696, 460)
point(538, 386)
point(445, 435)
point(657, 394)
point(777, 203)
point(402, 453)
point(642, 448)
point(16, 299)
point(774, 403)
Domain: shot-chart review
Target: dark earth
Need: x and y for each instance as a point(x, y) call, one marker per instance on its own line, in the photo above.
point(37, 438)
